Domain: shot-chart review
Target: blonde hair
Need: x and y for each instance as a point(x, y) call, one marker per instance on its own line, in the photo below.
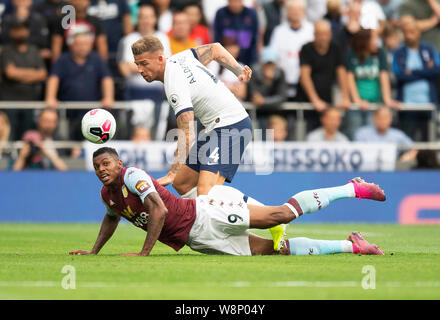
point(5, 128)
point(146, 44)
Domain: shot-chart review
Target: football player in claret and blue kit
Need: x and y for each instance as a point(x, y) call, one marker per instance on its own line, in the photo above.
point(216, 223)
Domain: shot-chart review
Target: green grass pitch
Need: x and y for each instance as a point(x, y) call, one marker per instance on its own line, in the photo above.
point(32, 257)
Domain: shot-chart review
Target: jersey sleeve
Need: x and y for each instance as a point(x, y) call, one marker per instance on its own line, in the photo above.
point(139, 182)
point(176, 88)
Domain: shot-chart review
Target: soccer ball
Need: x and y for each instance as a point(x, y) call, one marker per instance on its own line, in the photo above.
point(98, 126)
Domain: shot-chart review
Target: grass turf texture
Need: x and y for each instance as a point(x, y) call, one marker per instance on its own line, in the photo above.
point(32, 257)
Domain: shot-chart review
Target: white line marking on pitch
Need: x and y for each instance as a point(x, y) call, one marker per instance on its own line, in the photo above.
point(240, 284)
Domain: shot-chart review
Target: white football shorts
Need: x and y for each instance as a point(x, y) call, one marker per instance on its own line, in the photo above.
point(222, 223)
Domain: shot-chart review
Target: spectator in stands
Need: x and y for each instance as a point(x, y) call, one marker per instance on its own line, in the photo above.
point(368, 79)
point(145, 98)
point(391, 38)
point(416, 66)
point(51, 10)
point(115, 16)
point(427, 159)
point(211, 7)
point(39, 32)
point(329, 131)
point(381, 131)
point(353, 25)
point(391, 9)
point(270, 15)
point(278, 124)
point(335, 17)
point(288, 39)
point(200, 32)
point(79, 75)
point(372, 15)
point(23, 74)
point(427, 15)
point(141, 134)
point(37, 151)
point(316, 10)
point(236, 20)
point(178, 36)
point(5, 131)
point(322, 63)
point(267, 87)
point(164, 13)
point(83, 23)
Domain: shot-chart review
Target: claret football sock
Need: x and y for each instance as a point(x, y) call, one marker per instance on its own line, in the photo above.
point(312, 200)
point(305, 246)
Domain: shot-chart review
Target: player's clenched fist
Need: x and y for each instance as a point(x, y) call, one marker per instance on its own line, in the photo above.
point(246, 74)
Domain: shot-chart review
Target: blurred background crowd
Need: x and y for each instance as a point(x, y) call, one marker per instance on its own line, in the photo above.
point(359, 70)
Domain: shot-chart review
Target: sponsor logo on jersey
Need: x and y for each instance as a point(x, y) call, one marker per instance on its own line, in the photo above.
point(142, 186)
point(128, 213)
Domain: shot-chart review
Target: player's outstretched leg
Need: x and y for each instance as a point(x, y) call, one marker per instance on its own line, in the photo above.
point(355, 243)
point(310, 201)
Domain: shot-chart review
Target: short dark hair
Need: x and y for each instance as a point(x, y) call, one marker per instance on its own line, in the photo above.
point(105, 150)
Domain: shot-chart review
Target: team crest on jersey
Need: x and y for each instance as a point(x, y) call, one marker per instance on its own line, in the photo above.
point(124, 191)
point(142, 186)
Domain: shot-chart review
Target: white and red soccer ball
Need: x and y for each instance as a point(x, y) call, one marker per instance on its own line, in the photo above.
point(98, 126)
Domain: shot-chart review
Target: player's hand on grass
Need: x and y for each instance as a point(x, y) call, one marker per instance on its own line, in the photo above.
point(80, 252)
point(246, 74)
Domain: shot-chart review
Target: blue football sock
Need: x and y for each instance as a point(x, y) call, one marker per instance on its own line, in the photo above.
point(313, 200)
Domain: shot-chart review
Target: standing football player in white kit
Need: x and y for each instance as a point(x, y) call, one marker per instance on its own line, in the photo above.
point(193, 91)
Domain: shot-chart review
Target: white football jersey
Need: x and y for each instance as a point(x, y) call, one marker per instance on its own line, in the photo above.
point(189, 85)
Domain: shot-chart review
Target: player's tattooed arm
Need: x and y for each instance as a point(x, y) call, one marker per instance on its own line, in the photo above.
point(185, 123)
point(156, 218)
point(215, 51)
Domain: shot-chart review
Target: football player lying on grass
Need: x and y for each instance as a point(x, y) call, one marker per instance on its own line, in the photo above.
point(216, 223)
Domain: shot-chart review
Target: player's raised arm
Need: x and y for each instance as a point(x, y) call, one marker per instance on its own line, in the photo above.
point(215, 51)
point(108, 227)
point(156, 217)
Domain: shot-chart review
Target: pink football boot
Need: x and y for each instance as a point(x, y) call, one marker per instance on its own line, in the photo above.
point(363, 246)
point(365, 190)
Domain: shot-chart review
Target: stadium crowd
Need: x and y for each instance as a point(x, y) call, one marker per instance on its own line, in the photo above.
point(342, 56)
